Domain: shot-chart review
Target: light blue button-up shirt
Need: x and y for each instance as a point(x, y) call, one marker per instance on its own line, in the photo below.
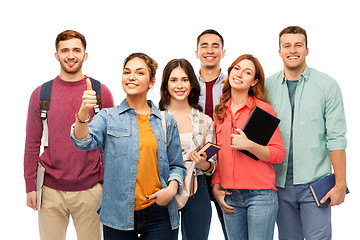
point(216, 91)
point(319, 124)
point(115, 130)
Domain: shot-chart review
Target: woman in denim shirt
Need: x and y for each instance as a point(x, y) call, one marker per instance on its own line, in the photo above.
point(180, 92)
point(142, 175)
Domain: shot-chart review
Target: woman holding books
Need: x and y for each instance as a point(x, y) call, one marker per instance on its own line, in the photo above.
point(243, 186)
point(142, 175)
point(180, 93)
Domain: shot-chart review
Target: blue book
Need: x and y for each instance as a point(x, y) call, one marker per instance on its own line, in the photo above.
point(210, 149)
point(321, 187)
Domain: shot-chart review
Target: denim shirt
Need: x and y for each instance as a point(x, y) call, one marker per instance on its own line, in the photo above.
point(319, 124)
point(115, 130)
point(216, 91)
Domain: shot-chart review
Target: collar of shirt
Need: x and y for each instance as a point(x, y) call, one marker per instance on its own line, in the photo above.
point(123, 107)
point(249, 103)
point(237, 119)
point(220, 78)
point(304, 76)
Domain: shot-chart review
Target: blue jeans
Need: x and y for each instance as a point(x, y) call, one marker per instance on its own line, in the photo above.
point(196, 214)
point(299, 217)
point(254, 216)
point(152, 223)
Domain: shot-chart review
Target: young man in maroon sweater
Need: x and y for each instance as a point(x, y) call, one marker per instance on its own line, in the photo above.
point(71, 176)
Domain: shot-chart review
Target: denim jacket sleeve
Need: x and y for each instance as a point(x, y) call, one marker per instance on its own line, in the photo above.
point(96, 134)
point(173, 151)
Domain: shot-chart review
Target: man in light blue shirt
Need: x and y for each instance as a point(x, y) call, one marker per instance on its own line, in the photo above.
point(210, 50)
point(309, 104)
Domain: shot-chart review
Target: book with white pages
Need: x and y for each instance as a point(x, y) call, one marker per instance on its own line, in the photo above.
point(40, 174)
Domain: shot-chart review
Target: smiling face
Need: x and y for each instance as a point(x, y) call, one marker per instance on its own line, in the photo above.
point(71, 55)
point(210, 50)
point(293, 51)
point(136, 77)
point(242, 76)
point(179, 86)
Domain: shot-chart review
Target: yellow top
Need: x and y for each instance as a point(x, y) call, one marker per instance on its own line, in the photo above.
point(147, 180)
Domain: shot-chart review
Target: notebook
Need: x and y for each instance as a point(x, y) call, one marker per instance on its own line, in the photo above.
point(321, 187)
point(40, 173)
point(259, 128)
point(210, 149)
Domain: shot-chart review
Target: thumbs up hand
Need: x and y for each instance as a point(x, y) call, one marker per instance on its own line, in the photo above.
point(88, 99)
point(88, 84)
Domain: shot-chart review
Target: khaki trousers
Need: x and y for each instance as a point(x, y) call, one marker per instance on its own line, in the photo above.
point(57, 206)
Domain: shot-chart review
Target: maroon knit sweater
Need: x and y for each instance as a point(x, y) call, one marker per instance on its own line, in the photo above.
point(66, 167)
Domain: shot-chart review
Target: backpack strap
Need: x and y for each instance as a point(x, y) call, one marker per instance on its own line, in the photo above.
point(96, 85)
point(45, 96)
point(163, 124)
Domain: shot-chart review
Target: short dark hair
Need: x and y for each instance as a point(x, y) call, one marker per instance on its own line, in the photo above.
point(165, 97)
point(210, 31)
point(293, 30)
point(69, 34)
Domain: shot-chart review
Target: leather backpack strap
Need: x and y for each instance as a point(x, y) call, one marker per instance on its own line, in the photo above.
point(44, 102)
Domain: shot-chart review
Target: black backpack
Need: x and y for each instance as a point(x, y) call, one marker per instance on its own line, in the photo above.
point(45, 96)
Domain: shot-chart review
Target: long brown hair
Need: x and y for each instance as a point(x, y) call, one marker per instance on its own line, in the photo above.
point(258, 91)
point(193, 98)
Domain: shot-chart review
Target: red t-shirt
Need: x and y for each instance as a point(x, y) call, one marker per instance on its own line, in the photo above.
point(209, 107)
point(66, 167)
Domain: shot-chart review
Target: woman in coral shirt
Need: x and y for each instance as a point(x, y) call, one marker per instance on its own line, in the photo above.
point(244, 187)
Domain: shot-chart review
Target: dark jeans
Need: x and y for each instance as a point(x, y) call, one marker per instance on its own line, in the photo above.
point(149, 224)
point(196, 214)
point(217, 206)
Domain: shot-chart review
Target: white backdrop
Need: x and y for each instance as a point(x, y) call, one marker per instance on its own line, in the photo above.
point(164, 30)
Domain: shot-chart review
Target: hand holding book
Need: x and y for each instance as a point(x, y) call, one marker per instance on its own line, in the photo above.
point(259, 128)
point(242, 143)
point(200, 160)
point(239, 141)
point(210, 149)
point(336, 195)
point(325, 192)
